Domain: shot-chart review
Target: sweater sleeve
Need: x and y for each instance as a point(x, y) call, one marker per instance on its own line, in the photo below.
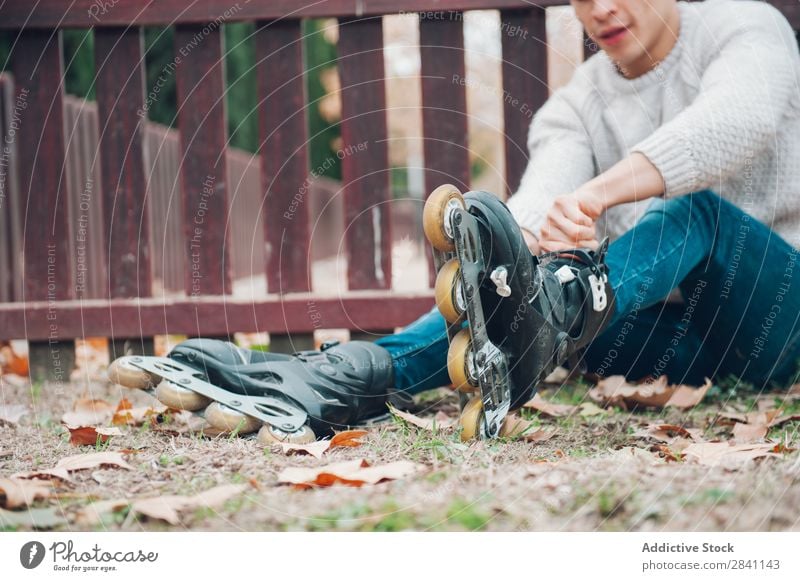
point(560, 160)
point(745, 92)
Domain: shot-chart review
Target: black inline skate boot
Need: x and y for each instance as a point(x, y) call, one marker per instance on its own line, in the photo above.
point(291, 398)
point(524, 315)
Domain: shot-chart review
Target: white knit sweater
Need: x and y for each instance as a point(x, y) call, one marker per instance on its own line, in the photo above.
point(721, 111)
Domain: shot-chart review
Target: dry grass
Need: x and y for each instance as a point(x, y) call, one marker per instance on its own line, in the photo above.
point(595, 474)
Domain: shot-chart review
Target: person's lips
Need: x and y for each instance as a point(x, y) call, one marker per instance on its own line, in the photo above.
point(613, 35)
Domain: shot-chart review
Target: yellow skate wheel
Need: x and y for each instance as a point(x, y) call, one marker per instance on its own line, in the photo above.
point(124, 373)
point(227, 419)
point(458, 357)
point(180, 398)
point(471, 419)
point(435, 216)
point(270, 435)
point(449, 295)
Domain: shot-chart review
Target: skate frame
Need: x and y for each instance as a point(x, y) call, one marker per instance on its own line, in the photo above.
point(490, 363)
point(266, 409)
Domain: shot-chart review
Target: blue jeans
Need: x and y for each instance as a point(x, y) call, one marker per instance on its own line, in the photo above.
point(740, 315)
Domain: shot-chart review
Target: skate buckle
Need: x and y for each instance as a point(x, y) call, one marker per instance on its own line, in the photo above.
point(499, 277)
point(599, 298)
point(565, 274)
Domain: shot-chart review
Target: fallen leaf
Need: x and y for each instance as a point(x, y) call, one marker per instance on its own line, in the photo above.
point(167, 508)
point(431, 424)
point(746, 433)
point(685, 396)
point(89, 412)
point(518, 428)
point(80, 462)
point(316, 449)
point(11, 414)
point(727, 455)
point(615, 390)
point(12, 362)
point(783, 419)
point(590, 409)
point(90, 435)
point(669, 433)
point(350, 473)
point(547, 408)
point(764, 418)
point(347, 439)
point(15, 492)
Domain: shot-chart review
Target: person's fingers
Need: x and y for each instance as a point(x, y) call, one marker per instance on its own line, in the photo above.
point(563, 228)
point(573, 212)
point(549, 245)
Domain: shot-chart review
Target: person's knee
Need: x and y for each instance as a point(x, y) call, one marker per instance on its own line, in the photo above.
point(700, 207)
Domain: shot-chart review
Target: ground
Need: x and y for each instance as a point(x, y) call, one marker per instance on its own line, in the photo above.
point(597, 472)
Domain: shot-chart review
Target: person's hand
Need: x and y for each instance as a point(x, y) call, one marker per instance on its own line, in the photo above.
point(570, 221)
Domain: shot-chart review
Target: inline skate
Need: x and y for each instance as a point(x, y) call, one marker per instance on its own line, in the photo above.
point(287, 398)
point(514, 317)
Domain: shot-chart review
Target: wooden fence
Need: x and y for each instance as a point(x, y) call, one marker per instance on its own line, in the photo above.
point(48, 296)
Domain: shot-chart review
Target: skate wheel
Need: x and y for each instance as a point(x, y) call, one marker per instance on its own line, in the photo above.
point(458, 362)
point(471, 419)
point(448, 292)
point(436, 216)
point(271, 435)
point(123, 372)
point(180, 398)
point(228, 419)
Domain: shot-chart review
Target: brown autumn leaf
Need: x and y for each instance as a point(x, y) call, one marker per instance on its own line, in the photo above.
point(615, 390)
point(89, 412)
point(589, 409)
point(80, 462)
point(727, 455)
point(12, 413)
point(554, 410)
point(11, 362)
point(347, 439)
point(685, 396)
point(15, 492)
point(168, 507)
point(438, 422)
point(90, 435)
point(746, 433)
point(350, 473)
point(517, 428)
point(783, 419)
point(669, 433)
point(761, 418)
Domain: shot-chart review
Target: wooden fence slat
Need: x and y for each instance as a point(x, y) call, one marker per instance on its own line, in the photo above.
point(284, 155)
point(524, 84)
point(9, 223)
point(203, 135)
point(365, 154)
point(444, 102)
point(38, 73)
point(119, 84)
